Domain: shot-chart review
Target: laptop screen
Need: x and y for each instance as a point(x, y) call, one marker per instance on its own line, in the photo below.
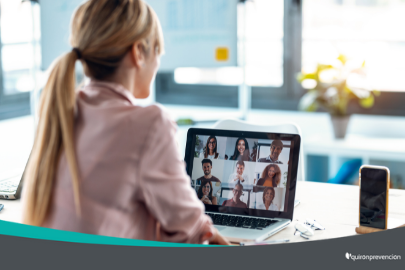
point(251, 173)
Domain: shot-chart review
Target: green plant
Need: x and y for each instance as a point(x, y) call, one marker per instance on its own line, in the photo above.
point(198, 146)
point(333, 85)
point(285, 174)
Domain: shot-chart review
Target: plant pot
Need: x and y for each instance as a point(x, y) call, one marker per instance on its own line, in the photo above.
point(340, 124)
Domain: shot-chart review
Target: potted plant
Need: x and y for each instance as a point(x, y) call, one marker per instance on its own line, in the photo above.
point(332, 86)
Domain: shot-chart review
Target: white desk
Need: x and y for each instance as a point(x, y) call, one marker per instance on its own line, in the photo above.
point(333, 206)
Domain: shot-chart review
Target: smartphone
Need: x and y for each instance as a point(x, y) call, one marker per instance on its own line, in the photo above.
point(374, 187)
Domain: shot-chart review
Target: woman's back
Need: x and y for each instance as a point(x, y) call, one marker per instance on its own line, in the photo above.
point(130, 172)
point(100, 164)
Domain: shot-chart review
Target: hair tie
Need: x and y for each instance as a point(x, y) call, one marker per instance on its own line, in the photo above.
point(77, 51)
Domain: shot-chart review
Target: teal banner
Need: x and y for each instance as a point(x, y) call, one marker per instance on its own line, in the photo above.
point(22, 230)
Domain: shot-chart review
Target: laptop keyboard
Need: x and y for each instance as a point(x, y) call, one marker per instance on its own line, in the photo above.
point(241, 222)
point(9, 185)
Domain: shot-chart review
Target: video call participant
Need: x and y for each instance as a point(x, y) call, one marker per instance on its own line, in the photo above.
point(207, 167)
point(275, 150)
point(239, 176)
point(210, 150)
point(235, 201)
point(268, 198)
point(270, 177)
point(205, 193)
point(241, 150)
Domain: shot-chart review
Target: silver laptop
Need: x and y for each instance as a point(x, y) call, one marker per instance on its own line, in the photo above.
point(246, 180)
point(10, 187)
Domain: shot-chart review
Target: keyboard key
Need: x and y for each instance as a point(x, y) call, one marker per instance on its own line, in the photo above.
point(241, 222)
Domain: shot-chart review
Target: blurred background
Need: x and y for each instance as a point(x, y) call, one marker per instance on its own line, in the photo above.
point(333, 67)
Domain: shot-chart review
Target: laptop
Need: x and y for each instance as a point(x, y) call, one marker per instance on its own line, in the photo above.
point(246, 180)
point(10, 187)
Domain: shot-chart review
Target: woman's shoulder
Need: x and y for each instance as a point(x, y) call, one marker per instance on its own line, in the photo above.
point(150, 125)
point(155, 115)
point(274, 207)
point(260, 206)
point(155, 111)
point(260, 182)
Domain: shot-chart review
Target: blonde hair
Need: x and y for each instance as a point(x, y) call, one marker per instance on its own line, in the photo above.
point(102, 33)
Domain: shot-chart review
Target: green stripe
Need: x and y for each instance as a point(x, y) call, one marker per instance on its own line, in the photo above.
point(22, 230)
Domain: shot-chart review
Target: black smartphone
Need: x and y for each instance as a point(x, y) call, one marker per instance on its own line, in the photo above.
point(374, 187)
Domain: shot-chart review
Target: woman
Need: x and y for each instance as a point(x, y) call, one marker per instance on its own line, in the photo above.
point(210, 150)
point(100, 164)
point(270, 177)
point(268, 198)
point(205, 193)
point(241, 151)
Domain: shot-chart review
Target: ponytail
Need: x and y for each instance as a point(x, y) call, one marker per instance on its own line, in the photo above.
point(55, 135)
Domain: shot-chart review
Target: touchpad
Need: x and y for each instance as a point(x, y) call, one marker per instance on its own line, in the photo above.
point(220, 228)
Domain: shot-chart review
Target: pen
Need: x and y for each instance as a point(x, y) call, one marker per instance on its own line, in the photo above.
point(262, 243)
point(1, 206)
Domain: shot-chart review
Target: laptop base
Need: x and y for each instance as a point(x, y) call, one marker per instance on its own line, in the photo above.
point(237, 235)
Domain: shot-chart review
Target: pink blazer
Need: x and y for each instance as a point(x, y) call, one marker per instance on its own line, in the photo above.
point(133, 181)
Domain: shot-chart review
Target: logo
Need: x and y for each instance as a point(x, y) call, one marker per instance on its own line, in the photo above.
point(391, 257)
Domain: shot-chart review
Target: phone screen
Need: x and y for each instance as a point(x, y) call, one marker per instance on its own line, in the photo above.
point(373, 198)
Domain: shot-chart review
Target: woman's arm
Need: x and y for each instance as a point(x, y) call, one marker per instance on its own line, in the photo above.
point(165, 188)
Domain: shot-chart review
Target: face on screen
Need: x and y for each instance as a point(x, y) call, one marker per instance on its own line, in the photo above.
point(239, 169)
point(271, 172)
point(269, 195)
point(275, 152)
point(211, 144)
point(206, 189)
point(207, 168)
point(237, 192)
point(241, 147)
point(373, 198)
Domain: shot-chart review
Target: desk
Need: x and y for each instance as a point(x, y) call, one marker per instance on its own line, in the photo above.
point(333, 206)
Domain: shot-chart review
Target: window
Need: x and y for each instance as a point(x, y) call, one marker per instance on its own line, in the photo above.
point(264, 56)
point(284, 95)
point(20, 55)
point(284, 37)
point(362, 30)
point(369, 30)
